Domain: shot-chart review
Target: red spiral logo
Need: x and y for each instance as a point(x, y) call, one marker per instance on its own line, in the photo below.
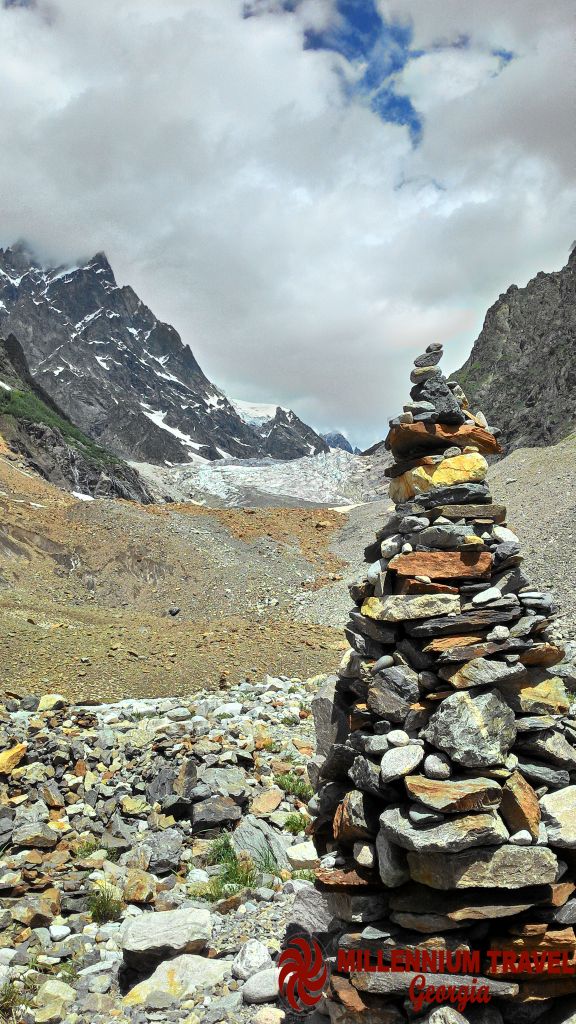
point(303, 974)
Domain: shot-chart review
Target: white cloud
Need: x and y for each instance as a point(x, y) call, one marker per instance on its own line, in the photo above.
point(303, 249)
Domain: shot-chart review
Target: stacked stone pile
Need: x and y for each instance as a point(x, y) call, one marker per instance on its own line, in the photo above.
point(445, 810)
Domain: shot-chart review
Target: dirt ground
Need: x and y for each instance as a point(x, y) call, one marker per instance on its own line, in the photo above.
point(86, 588)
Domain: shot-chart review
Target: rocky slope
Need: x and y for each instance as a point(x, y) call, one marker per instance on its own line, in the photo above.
point(521, 371)
point(126, 379)
point(152, 854)
point(36, 430)
point(118, 599)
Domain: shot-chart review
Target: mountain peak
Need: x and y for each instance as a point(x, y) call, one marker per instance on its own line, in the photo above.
point(126, 378)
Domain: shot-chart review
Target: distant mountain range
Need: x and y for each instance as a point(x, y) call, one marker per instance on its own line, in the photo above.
point(125, 378)
point(521, 372)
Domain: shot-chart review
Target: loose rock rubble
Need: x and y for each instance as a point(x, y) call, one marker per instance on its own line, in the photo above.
point(152, 854)
point(445, 775)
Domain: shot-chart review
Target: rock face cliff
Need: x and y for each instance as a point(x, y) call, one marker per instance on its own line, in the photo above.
point(126, 379)
point(528, 341)
point(33, 427)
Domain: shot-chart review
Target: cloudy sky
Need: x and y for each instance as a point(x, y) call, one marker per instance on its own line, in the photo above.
point(309, 190)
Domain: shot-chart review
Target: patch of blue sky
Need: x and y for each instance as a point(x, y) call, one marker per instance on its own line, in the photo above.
point(376, 51)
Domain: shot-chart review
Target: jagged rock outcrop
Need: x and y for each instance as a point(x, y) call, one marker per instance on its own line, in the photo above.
point(445, 812)
point(126, 379)
point(35, 428)
point(521, 371)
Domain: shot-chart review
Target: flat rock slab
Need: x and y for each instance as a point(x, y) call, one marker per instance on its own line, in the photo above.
point(493, 513)
point(481, 648)
point(450, 836)
point(468, 622)
point(506, 867)
point(549, 746)
point(407, 437)
point(352, 1007)
point(474, 731)
point(454, 796)
point(460, 469)
point(402, 607)
point(482, 672)
point(398, 983)
point(472, 904)
point(150, 938)
point(443, 565)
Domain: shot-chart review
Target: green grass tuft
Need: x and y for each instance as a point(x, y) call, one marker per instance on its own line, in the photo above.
point(104, 904)
point(294, 786)
point(295, 823)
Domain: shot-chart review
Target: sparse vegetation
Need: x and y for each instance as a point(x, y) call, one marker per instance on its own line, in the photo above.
point(295, 786)
point(13, 999)
point(104, 904)
point(305, 874)
point(295, 823)
point(86, 848)
point(24, 405)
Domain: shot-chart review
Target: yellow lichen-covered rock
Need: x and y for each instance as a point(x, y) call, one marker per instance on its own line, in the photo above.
point(12, 757)
point(398, 607)
point(179, 978)
point(460, 469)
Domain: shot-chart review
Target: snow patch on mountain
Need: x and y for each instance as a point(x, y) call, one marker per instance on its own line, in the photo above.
point(255, 413)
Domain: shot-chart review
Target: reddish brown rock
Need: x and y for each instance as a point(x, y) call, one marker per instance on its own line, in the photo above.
point(267, 801)
point(347, 1006)
point(444, 565)
point(454, 796)
point(544, 655)
point(411, 437)
point(410, 586)
point(520, 808)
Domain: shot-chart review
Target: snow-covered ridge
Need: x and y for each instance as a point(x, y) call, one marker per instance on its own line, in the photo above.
point(255, 413)
point(143, 394)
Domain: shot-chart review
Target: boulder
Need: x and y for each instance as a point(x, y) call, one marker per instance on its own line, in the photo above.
point(262, 987)
point(259, 840)
point(400, 607)
point(177, 979)
point(250, 959)
point(474, 731)
point(506, 867)
point(450, 836)
point(147, 939)
point(303, 856)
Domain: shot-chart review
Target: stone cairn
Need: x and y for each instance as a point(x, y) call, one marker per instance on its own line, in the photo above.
point(444, 813)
